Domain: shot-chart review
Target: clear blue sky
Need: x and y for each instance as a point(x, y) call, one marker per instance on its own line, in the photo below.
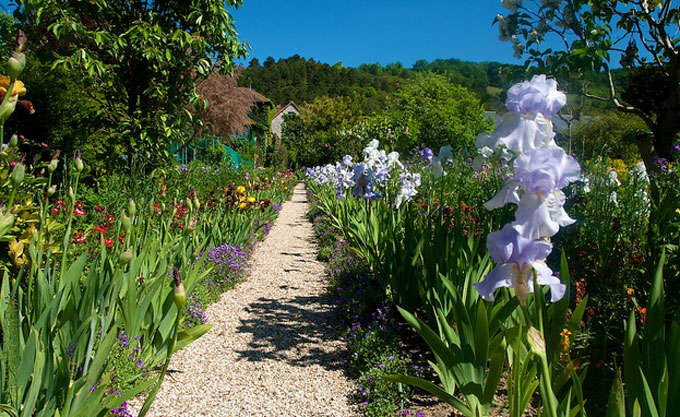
point(368, 31)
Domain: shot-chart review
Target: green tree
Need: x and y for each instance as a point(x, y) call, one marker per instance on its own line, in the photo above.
point(438, 112)
point(139, 60)
point(589, 34)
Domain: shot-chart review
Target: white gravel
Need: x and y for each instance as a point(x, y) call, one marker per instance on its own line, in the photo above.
point(274, 350)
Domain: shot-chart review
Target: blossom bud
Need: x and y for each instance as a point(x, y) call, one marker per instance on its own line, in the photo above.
point(127, 223)
point(536, 341)
point(191, 225)
point(180, 294)
point(71, 195)
point(190, 205)
point(14, 141)
point(125, 257)
point(18, 173)
point(196, 202)
point(132, 207)
point(78, 162)
point(51, 190)
point(16, 64)
point(54, 163)
point(6, 221)
point(7, 109)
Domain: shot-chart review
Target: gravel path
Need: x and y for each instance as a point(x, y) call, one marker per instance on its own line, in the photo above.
point(273, 350)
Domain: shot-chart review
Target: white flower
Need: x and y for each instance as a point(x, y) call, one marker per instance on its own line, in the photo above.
point(613, 198)
point(613, 179)
point(520, 133)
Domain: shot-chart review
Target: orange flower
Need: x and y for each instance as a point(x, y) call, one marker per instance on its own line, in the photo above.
point(630, 292)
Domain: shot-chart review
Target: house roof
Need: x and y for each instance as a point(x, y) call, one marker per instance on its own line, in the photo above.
point(258, 98)
point(282, 109)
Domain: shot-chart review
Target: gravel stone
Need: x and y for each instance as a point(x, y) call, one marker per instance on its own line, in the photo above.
point(274, 350)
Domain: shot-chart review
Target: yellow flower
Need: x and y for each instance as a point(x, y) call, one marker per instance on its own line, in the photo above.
point(241, 189)
point(282, 182)
point(266, 179)
point(19, 88)
point(251, 200)
point(630, 292)
point(677, 210)
point(285, 188)
point(565, 339)
point(243, 206)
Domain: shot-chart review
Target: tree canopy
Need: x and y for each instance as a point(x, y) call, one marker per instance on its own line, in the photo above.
point(140, 61)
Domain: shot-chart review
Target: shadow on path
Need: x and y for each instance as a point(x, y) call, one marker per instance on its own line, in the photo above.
point(299, 326)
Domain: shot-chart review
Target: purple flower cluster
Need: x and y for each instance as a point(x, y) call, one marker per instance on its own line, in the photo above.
point(196, 313)
point(230, 264)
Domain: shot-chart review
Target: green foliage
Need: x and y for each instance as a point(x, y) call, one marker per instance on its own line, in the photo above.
point(439, 113)
point(132, 61)
point(608, 134)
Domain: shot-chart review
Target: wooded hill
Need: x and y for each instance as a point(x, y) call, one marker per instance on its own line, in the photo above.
point(303, 80)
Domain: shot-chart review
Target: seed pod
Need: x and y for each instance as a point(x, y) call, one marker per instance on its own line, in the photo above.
point(18, 173)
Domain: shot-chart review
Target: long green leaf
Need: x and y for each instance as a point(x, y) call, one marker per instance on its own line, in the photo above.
point(434, 390)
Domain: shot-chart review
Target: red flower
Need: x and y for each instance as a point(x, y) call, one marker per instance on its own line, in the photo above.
point(108, 242)
point(78, 211)
point(60, 203)
point(121, 238)
point(100, 229)
point(108, 218)
point(99, 208)
point(79, 205)
point(79, 238)
point(56, 210)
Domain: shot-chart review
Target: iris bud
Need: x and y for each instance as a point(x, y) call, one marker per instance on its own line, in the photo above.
point(16, 64)
point(132, 207)
point(125, 257)
point(14, 141)
point(127, 223)
point(79, 162)
point(6, 221)
point(54, 163)
point(18, 173)
point(179, 293)
point(51, 190)
point(536, 341)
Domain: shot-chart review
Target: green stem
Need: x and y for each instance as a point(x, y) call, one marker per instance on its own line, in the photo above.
point(171, 346)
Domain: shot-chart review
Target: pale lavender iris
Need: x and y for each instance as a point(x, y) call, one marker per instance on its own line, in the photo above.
point(516, 259)
point(539, 95)
point(409, 183)
point(541, 172)
point(520, 133)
